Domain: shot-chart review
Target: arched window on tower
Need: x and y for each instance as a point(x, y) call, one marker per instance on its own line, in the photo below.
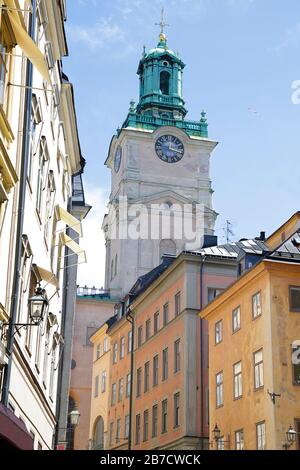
point(165, 83)
point(167, 247)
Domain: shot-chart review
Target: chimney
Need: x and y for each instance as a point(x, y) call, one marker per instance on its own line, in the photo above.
point(209, 241)
point(262, 236)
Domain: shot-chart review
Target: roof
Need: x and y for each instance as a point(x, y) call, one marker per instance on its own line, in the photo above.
point(145, 281)
point(235, 250)
point(289, 250)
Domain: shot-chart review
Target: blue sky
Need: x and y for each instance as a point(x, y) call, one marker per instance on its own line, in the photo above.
point(241, 56)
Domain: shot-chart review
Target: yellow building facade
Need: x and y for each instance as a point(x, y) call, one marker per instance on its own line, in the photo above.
point(254, 371)
point(100, 389)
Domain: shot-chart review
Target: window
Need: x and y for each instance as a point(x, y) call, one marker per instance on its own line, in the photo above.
point(165, 82)
point(122, 347)
point(129, 339)
point(261, 436)
point(103, 381)
point(115, 353)
point(98, 351)
point(139, 382)
point(256, 305)
point(213, 292)
point(126, 427)
point(221, 443)
point(116, 265)
point(49, 205)
point(294, 299)
point(140, 336)
point(113, 394)
point(239, 440)
point(118, 432)
point(96, 390)
point(165, 364)
point(128, 385)
point(164, 416)
point(46, 354)
point(237, 380)
point(112, 270)
point(105, 345)
point(296, 362)
point(177, 356)
point(138, 429)
point(155, 371)
point(154, 420)
point(219, 332)
point(36, 119)
point(29, 331)
point(166, 314)
point(219, 390)
point(6, 45)
point(236, 319)
point(258, 370)
point(52, 370)
point(177, 304)
point(43, 158)
point(156, 322)
point(111, 433)
point(146, 425)
point(148, 327)
point(176, 410)
point(147, 377)
point(38, 348)
point(121, 386)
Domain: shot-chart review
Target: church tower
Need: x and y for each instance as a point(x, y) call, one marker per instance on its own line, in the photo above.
point(159, 161)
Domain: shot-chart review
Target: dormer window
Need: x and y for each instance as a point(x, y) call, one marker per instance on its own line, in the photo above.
point(165, 83)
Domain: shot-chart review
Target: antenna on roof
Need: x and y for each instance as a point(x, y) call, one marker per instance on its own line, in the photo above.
point(228, 231)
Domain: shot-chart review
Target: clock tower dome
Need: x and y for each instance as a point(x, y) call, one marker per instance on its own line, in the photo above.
point(160, 167)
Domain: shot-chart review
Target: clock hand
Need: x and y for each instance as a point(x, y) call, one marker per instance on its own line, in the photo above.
point(175, 150)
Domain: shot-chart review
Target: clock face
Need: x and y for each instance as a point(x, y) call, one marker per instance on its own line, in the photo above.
point(169, 149)
point(118, 158)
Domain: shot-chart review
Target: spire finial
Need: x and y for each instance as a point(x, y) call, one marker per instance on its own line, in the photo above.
point(162, 25)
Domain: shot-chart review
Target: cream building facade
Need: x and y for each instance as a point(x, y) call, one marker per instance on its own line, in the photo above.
point(40, 156)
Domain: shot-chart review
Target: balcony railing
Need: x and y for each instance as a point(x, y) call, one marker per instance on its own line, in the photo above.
point(194, 128)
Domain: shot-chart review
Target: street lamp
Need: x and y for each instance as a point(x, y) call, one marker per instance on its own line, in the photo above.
point(216, 433)
point(217, 437)
point(74, 418)
point(37, 305)
point(291, 436)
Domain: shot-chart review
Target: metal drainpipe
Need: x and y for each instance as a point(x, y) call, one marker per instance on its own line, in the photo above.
point(201, 350)
point(65, 302)
point(131, 321)
point(21, 212)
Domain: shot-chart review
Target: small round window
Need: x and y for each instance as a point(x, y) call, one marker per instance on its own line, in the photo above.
point(166, 64)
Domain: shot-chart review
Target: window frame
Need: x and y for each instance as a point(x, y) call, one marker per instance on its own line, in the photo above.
point(294, 310)
point(264, 435)
point(220, 340)
point(238, 380)
point(219, 388)
point(257, 366)
point(254, 296)
point(235, 311)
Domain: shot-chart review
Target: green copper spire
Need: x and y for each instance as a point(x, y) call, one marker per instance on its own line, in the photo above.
point(161, 101)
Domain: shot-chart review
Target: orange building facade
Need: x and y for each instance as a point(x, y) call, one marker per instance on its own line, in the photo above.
point(91, 312)
point(254, 352)
point(168, 408)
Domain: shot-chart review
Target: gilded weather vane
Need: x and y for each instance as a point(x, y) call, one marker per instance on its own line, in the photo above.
point(162, 23)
